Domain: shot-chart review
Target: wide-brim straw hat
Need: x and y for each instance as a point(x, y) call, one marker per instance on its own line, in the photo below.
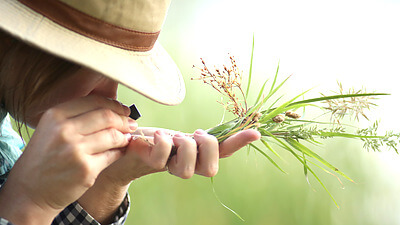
point(114, 37)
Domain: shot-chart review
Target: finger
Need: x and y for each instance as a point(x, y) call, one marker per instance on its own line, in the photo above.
point(237, 141)
point(149, 131)
point(101, 119)
point(154, 151)
point(161, 150)
point(89, 103)
point(208, 157)
point(104, 140)
point(103, 159)
point(184, 162)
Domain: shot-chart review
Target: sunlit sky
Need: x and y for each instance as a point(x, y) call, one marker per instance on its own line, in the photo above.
point(319, 42)
point(356, 42)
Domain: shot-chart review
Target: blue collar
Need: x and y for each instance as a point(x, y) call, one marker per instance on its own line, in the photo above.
point(11, 145)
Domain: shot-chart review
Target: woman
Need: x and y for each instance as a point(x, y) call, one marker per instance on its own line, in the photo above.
point(60, 66)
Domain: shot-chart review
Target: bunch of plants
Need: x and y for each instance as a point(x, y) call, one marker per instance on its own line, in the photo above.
point(284, 124)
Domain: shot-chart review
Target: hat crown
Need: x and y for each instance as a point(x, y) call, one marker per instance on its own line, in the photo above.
point(138, 15)
point(117, 38)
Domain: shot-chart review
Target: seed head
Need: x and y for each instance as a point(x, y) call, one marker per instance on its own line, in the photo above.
point(292, 115)
point(279, 118)
point(226, 81)
point(256, 117)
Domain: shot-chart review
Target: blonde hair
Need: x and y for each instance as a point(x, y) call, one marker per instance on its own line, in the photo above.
point(38, 72)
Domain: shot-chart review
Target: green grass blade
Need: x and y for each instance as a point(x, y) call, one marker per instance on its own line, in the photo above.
point(220, 202)
point(330, 97)
point(265, 143)
point(223, 128)
point(261, 92)
point(347, 135)
point(304, 164)
point(251, 68)
point(320, 182)
point(270, 94)
point(273, 83)
point(298, 146)
point(266, 156)
point(315, 176)
point(280, 109)
point(305, 169)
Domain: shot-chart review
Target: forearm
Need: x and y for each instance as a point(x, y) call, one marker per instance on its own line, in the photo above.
point(19, 209)
point(103, 199)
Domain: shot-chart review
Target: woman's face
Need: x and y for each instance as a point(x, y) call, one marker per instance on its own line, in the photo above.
point(82, 83)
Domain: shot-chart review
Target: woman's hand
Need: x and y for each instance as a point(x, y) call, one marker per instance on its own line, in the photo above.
point(72, 144)
point(149, 152)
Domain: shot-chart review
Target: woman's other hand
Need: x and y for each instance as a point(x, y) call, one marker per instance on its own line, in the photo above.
point(195, 154)
point(72, 144)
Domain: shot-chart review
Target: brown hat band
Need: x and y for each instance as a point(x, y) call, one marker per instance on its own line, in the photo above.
point(91, 27)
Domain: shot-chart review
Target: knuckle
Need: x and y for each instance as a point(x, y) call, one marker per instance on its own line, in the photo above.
point(211, 171)
point(208, 140)
point(83, 170)
point(158, 164)
point(108, 116)
point(115, 136)
point(213, 139)
point(86, 176)
point(74, 154)
point(53, 114)
point(96, 99)
point(186, 172)
point(64, 130)
point(190, 144)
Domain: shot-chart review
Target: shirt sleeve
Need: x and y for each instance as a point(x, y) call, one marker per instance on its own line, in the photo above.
point(75, 214)
point(4, 222)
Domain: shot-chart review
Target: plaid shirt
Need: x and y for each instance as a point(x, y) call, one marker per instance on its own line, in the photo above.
point(10, 145)
point(75, 214)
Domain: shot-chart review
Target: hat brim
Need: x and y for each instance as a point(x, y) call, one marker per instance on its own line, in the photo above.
point(153, 74)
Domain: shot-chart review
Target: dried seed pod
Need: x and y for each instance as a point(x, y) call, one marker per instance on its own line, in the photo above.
point(292, 115)
point(279, 118)
point(256, 117)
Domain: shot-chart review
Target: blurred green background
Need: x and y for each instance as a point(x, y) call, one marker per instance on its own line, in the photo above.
point(319, 42)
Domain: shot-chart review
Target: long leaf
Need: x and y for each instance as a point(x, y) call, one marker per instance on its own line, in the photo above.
point(304, 164)
point(347, 135)
point(297, 145)
point(280, 109)
point(317, 178)
point(273, 83)
point(271, 93)
point(261, 92)
point(251, 68)
point(330, 97)
point(220, 202)
point(265, 143)
point(266, 156)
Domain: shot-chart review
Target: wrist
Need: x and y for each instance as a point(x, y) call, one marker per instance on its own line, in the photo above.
point(103, 199)
point(20, 209)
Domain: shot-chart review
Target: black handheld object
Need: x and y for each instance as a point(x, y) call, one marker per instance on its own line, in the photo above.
point(135, 114)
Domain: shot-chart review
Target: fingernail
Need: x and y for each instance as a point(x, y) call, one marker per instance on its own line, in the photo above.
point(128, 136)
point(161, 133)
point(179, 135)
point(132, 124)
point(127, 110)
point(200, 132)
